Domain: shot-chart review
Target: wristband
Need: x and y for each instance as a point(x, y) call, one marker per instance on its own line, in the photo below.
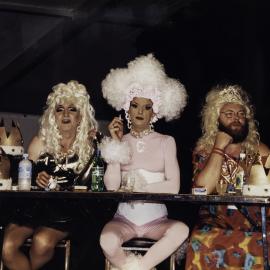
point(218, 151)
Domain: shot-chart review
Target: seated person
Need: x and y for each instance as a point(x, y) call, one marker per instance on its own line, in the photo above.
point(224, 238)
point(67, 123)
point(143, 161)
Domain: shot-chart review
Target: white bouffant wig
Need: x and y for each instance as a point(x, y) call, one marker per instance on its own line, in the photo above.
point(215, 100)
point(145, 77)
point(77, 94)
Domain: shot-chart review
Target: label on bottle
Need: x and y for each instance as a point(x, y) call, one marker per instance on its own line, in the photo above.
point(239, 180)
point(25, 174)
point(97, 179)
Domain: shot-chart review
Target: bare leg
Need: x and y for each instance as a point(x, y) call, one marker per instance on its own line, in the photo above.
point(44, 241)
point(170, 235)
point(14, 238)
point(113, 235)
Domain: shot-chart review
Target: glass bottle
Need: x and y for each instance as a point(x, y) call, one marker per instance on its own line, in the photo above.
point(25, 173)
point(97, 173)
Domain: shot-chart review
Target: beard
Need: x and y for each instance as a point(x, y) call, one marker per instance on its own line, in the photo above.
point(238, 135)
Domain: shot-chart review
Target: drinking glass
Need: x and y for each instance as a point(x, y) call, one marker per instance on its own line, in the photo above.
point(221, 186)
point(128, 182)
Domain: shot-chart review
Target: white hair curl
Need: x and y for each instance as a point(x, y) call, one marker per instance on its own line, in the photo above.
point(145, 77)
point(76, 93)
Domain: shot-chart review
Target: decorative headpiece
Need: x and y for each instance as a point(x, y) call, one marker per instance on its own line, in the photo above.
point(4, 165)
point(5, 179)
point(11, 141)
point(231, 94)
point(145, 77)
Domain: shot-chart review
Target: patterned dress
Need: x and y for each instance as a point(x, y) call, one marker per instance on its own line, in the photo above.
point(224, 238)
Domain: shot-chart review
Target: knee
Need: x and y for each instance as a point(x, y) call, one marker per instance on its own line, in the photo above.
point(42, 245)
point(110, 243)
point(178, 233)
point(10, 247)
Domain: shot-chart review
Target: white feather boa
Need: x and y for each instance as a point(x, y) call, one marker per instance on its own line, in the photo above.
point(114, 151)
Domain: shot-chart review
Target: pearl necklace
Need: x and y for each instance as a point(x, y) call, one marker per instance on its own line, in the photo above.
point(141, 134)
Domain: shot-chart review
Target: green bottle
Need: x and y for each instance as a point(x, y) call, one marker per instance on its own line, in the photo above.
point(97, 174)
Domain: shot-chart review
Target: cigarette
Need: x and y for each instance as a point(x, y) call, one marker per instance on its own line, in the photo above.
point(120, 117)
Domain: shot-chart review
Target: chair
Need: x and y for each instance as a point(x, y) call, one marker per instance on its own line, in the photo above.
point(140, 245)
point(65, 243)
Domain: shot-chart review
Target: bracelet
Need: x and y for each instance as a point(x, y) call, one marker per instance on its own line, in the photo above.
point(219, 149)
point(216, 151)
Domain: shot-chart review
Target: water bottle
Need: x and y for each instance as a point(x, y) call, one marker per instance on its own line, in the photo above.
point(97, 174)
point(25, 173)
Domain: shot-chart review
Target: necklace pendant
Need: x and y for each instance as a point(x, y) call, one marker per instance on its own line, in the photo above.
point(140, 146)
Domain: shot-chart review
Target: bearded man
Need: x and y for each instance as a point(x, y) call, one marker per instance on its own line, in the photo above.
point(229, 146)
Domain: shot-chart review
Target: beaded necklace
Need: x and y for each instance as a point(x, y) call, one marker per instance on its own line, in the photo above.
point(141, 133)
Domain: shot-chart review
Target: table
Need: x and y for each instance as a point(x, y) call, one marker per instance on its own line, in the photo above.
point(262, 202)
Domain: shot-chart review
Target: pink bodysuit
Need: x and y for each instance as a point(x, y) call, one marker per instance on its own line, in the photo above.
point(154, 159)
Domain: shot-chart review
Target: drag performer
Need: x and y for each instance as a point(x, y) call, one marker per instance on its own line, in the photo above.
point(142, 161)
point(67, 123)
point(227, 237)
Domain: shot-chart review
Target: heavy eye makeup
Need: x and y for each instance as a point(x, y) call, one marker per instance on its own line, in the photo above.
point(70, 109)
point(133, 105)
point(147, 107)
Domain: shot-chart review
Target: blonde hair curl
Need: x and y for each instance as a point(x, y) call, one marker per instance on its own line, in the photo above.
point(76, 93)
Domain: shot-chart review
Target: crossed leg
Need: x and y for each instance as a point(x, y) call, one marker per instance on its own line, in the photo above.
point(169, 233)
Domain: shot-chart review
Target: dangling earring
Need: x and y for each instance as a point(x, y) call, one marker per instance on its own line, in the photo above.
point(128, 120)
point(152, 121)
point(79, 127)
point(151, 126)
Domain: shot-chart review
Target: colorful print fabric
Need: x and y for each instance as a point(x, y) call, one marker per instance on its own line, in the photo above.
point(224, 238)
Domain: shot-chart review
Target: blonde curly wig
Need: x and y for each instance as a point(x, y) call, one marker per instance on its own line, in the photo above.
point(215, 100)
point(76, 93)
point(145, 77)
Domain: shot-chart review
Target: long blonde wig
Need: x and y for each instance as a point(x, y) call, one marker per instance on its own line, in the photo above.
point(76, 93)
point(215, 100)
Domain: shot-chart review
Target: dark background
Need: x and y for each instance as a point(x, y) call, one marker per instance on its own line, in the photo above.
point(200, 42)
